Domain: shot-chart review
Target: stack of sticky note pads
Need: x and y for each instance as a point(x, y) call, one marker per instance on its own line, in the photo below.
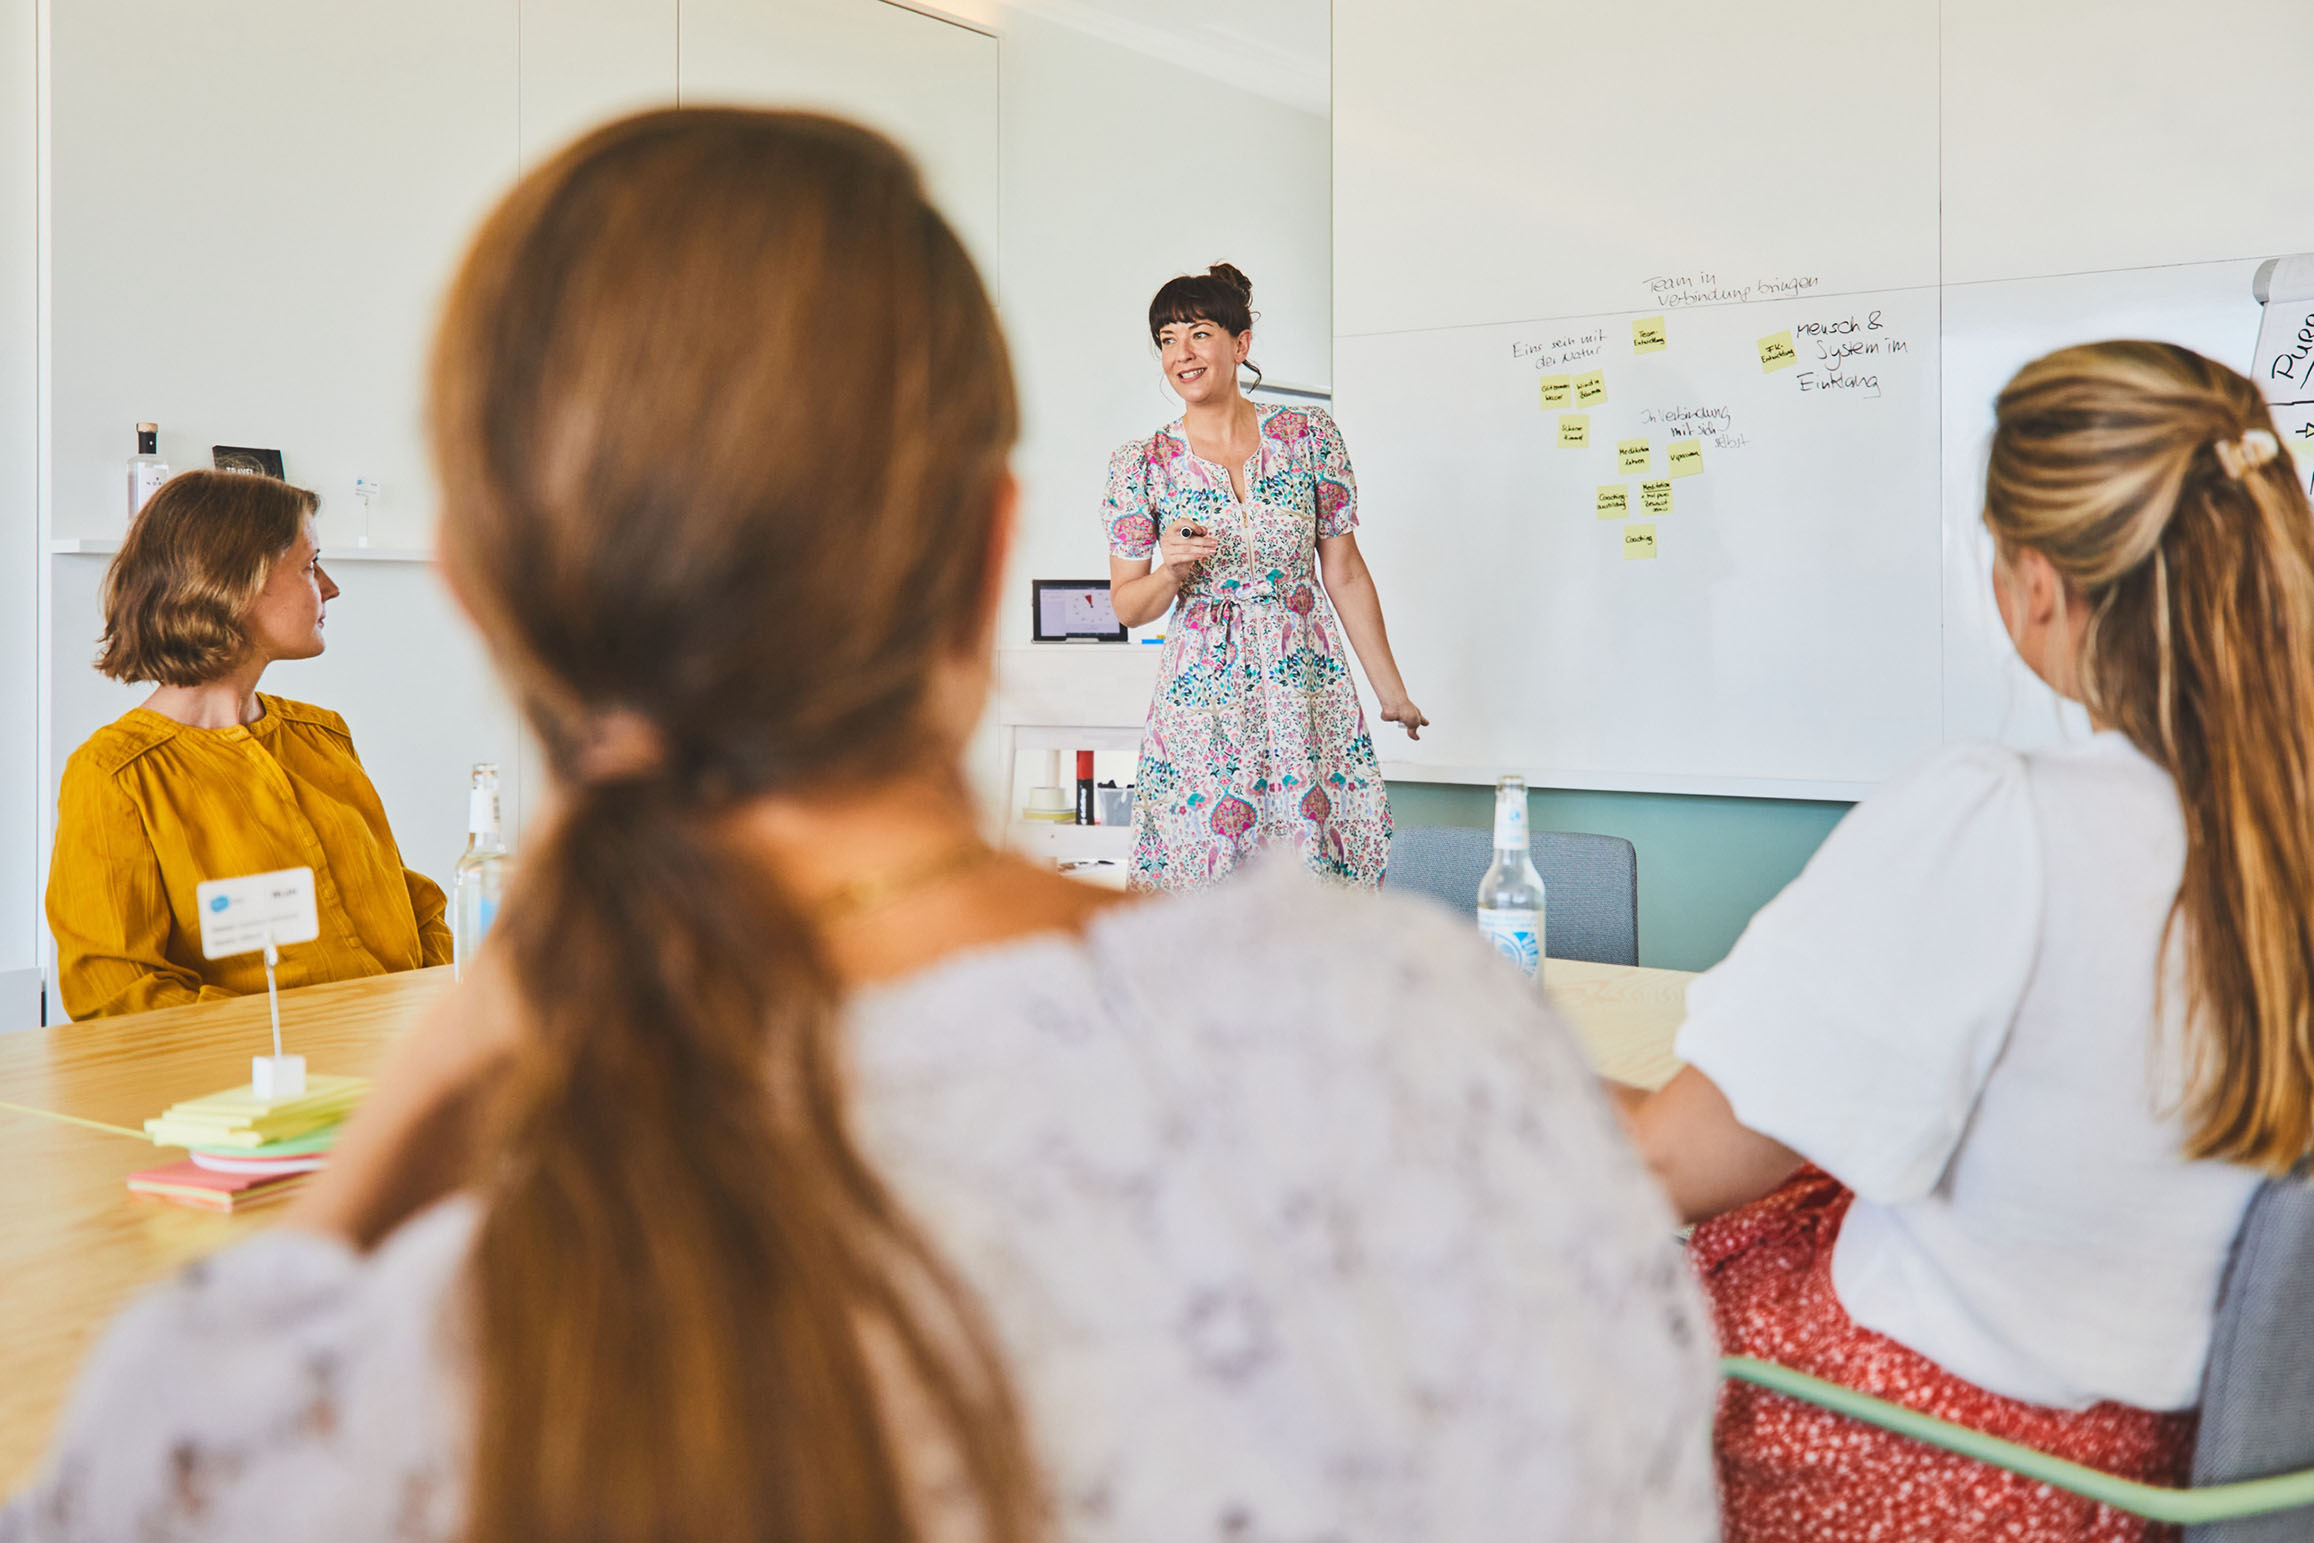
point(245, 1150)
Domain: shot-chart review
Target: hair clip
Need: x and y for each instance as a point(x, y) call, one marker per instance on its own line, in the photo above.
point(2253, 449)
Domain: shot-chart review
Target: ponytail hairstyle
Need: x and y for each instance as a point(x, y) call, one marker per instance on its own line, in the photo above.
point(1221, 295)
point(2149, 477)
point(721, 411)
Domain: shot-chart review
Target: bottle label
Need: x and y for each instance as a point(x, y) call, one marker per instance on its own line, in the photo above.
point(1516, 935)
point(481, 813)
point(1510, 824)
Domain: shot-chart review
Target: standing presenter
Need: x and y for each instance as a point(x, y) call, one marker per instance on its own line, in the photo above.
point(1255, 736)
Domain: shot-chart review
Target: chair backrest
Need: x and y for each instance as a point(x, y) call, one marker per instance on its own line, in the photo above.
point(1590, 884)
point(2257, 1414)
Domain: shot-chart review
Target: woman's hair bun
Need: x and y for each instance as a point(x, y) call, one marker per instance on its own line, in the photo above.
point(1229, 274)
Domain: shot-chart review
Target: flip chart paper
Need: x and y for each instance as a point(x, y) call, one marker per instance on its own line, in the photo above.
point(1591, 389)
point(1638, 542)
point(1655, 497)
point(1614, 501)
point(1574, 430)
point(1558, 391)
point(1647, 335)
point(1631, 455)
point(1777, 352)
point(1684, 457)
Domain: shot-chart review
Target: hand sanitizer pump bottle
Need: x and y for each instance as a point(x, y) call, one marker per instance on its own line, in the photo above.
point(147, 471)
point(1510, 897)
point(482, 871)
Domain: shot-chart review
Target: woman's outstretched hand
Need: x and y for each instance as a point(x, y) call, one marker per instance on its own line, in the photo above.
point(1403, 712)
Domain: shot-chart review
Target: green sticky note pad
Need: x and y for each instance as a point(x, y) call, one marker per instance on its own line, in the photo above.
point(1558, 391)
point(1638, 542)
point(1591, 389)
point(1684, 457)
point(1574, 430)
point(1647, 335)
point(1631, 455)
point(1655, 497)
point(1614, 501)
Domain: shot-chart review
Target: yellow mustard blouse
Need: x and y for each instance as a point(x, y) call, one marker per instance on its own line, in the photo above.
point(150, 808)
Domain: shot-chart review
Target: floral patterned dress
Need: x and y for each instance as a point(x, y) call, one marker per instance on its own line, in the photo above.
point(1255, 735)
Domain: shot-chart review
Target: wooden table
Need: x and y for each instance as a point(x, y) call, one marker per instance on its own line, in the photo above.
point(75, 1246)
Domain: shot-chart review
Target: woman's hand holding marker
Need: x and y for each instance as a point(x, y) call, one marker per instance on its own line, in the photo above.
point(1184, 547)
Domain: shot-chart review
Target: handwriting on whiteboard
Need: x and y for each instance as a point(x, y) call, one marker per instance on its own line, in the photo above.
point(1673, 291)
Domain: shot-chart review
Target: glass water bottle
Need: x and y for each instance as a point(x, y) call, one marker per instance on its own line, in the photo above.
point(1510, 897)
point(482, 871)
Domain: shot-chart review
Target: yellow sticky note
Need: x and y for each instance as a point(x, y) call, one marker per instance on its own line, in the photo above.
point(1614, 501)
point(1655, 497)
point(1777, 352)
point(1574, 430)
point(1557, 391)
point(1647, 335)
point(1638, 542)
point(1591, 389)
point(1631, 455)
point(1684, 457)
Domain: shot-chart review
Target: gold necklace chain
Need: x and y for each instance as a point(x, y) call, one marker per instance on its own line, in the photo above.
point(874, 891)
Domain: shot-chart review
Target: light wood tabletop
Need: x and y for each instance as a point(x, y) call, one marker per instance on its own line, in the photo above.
point(75, 1245)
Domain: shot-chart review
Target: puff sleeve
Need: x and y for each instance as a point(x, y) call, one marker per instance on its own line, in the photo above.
point(1128, 513)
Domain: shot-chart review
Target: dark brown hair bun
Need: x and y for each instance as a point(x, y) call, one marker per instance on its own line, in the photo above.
point(1235, 278)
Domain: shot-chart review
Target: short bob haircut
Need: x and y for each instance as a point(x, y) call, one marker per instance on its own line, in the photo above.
point(197, 554)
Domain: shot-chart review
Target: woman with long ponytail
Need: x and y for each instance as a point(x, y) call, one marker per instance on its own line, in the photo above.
point(794, 1166)
point(2038, 1024)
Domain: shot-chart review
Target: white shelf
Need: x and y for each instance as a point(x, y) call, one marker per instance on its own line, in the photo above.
point(1061, 843)
point(105, 546)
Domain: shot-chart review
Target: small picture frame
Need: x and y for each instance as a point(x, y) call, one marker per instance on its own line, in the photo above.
point(245, 459)
point(1073, 611)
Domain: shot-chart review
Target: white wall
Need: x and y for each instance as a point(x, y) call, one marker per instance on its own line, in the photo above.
point(256, 207)
point(1121, 171)
point(20, 927)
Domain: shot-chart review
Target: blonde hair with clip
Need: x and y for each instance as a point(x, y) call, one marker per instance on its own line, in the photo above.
point(2152, 480)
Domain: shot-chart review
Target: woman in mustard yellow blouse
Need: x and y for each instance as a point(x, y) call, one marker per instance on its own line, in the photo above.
point(209, 779)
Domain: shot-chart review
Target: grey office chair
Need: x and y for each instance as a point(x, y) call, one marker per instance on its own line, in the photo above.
point(1590, 884)
point(2253, 1459)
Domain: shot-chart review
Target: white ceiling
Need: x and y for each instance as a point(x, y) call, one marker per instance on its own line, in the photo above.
point(1279, 48)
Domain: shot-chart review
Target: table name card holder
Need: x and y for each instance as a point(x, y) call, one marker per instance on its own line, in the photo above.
point(260, 912)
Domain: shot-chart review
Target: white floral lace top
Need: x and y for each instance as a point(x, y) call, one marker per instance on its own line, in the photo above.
point(1299, 1217)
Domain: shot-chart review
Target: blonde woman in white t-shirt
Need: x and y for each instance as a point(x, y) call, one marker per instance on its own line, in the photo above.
point(1972, 1111)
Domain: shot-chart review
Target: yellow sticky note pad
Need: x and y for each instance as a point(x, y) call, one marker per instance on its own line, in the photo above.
point(1631, 455)
point(1558, 391)
point(1655, 497)
point(1684, 457)
point(1638, 542)
point(1591, 389)
point(1574, 430)
point(1647, 335)
point(1777, 352)
point(1614, 501)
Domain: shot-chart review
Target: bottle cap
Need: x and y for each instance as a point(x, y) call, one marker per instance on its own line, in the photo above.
point(1084, 765)
point(148, 428)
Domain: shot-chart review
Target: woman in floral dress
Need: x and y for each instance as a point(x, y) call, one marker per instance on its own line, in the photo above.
point(1255, 735)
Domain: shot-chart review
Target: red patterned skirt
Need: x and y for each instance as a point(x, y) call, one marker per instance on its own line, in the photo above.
point(1792, 1473)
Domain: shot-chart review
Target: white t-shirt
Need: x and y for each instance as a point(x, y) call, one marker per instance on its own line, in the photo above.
point(1296, 1213)
point(1952, 1012)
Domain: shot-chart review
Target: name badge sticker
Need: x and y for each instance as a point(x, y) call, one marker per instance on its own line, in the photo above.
point(237, 915)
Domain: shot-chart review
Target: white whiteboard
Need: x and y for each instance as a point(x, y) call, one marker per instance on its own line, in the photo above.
point(1988, 180)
